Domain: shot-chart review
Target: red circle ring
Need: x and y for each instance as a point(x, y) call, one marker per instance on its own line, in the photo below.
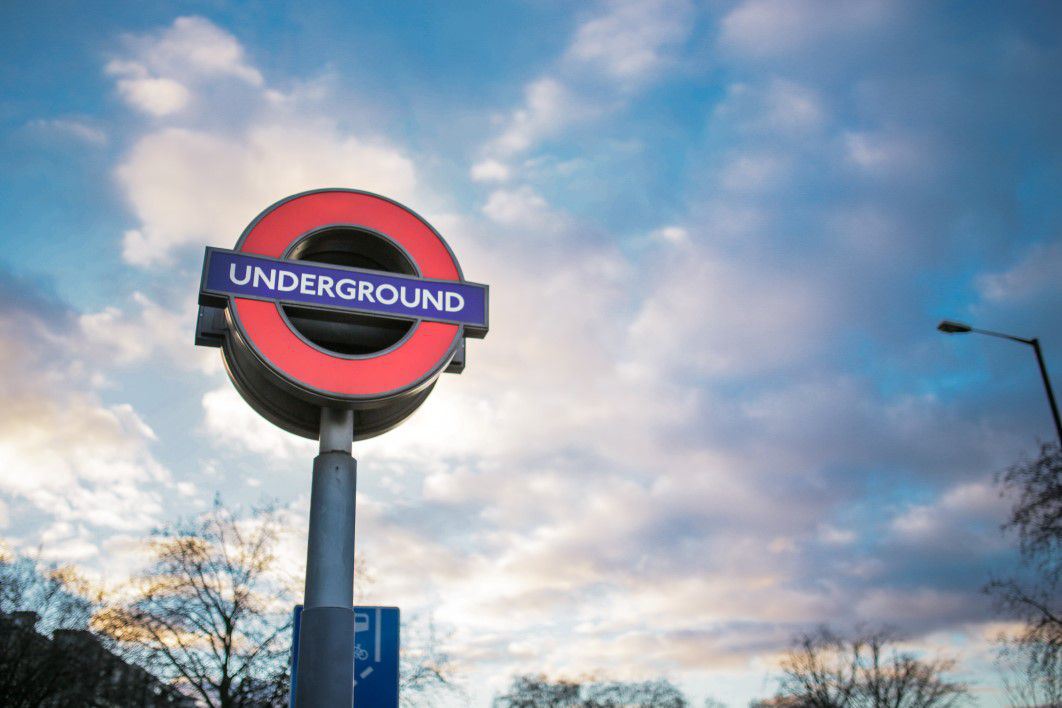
point(424, 352)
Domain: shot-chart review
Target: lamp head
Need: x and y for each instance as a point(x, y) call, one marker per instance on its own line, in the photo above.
point(949, 327)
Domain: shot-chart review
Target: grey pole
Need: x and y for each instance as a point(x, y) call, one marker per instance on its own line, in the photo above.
point(1047, 386)
point(325, 676)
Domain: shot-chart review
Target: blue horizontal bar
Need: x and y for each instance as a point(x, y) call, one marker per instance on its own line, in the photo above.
point(329, 287)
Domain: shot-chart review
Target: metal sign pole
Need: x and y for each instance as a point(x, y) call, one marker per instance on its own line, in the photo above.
point(292, 369)
point(325, 676)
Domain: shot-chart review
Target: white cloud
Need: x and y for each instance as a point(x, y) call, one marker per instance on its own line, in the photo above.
point(775, 108)
point(753, 172)
point(888, 154)
point(232, 423)
point(614, 51)
point(191, 184)
point(834, 536)
point(132, 335)
point(200, 46)
point(521, 206)
point(80, 130)
point(619, 517)
point(919, 607)
point(156, 70)
point(549, 107)
point(64, 454)
point(1034, 275)
point(156, 96)
point(180, 201)
point(72, 547)
point(632, 39)
point(712, 315)
point(767, 28)
point(962, 507)
point(671, 234)
point(624, 518)
point(490, 171)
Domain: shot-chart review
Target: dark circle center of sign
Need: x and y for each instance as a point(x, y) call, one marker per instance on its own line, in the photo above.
point(349, 333)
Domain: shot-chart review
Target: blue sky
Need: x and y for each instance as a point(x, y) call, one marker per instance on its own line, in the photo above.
point(713, 409)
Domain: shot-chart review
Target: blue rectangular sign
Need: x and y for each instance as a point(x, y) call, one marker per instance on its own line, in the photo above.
point(332, 287)
point(376, 646)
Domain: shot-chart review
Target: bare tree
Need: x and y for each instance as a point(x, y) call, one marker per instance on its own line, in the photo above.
point(826, 670)
point(212, 615)
point(27, 584)
point(1028, 679)
point(1037, 512)
point(530, 691)
point(33, 597)
point(655, 693)
point(778, 702)
point(1032, 659)
point(208, 615)
point(425, 668)
point(48, 658)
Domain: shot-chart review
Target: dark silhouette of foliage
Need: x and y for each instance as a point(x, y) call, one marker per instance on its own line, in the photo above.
point(539, 692)
point(208, 615)
point(71, 667)
point(826, 670)
point(657, 693)
point(28, 585)
point(1032, 660)
point(212, 616)
point(1031, 677)
point(1037, 512)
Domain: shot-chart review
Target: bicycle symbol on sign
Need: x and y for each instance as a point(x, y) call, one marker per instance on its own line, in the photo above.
point(361, 624)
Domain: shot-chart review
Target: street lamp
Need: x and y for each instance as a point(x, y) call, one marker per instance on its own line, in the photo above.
point(950, 327)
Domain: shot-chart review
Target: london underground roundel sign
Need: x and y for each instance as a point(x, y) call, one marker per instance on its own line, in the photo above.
point(338, 298)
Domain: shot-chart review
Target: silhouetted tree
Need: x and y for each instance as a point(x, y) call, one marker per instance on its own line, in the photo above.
point(48, 658)
point(1033, 658)
point(212, 615)
point(51, 591)
point(657, 693)
point(825, 670)
point(31, 597)
point(424, 667)
point(539, 692)
point(778, 702)
point(1031, 677)
point(208, 614)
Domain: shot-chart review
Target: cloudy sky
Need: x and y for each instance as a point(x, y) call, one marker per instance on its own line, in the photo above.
point(712, 409)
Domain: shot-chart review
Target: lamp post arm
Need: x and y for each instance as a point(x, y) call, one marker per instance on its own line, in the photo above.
point(1047, 386)
point(1011, 337)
